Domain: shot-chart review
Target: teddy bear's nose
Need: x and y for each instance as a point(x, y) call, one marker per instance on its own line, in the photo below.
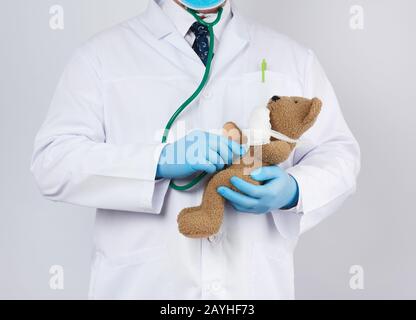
point(275, 98)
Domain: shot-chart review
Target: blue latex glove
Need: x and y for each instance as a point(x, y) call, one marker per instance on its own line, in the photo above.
point(197, 152)
point(280, 191)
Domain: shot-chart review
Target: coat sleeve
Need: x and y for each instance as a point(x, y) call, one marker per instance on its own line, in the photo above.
point(73, 163)
point(326, 166)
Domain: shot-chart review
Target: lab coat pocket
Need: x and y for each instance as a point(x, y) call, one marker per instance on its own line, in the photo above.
point(272, 276)
point(134, 276)
point(257, 93)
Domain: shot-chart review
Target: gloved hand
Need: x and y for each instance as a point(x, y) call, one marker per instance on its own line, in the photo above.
point(280, 191)
point(198, 151)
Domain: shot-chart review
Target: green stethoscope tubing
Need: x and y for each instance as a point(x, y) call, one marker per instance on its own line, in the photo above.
point(197, 92)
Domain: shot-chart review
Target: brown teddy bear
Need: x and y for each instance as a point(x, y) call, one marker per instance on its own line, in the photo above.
point(290, 116)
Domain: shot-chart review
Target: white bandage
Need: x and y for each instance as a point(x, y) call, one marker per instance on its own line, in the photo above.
point(260, 129)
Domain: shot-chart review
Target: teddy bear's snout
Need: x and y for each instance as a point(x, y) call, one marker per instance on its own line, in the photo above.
point(275, 98)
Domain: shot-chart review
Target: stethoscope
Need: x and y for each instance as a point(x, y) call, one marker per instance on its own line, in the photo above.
point(197, 92)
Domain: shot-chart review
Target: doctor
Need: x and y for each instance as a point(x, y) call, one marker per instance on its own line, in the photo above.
point(100, 147)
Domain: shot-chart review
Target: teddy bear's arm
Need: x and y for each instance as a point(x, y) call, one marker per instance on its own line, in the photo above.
point(276, 152)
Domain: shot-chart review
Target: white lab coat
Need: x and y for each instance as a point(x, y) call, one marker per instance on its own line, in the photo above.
point(100, 143)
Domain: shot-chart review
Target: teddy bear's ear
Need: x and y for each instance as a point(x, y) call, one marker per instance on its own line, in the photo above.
point(315, 109)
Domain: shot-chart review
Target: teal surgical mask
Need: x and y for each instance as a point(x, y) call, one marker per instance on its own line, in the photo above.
point(202, 4)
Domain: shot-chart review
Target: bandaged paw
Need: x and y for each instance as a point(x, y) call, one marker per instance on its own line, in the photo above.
point(260, 129)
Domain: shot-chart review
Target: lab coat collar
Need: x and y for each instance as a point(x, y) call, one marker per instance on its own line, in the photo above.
point(159, 24)
point(180, 18)
point(234, 39)
point(156, 20)
point(183, 20)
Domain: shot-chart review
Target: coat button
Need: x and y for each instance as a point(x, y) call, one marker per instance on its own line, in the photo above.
point(212, 239)
point(216, 286)
point(215, 238)
point(207, 94)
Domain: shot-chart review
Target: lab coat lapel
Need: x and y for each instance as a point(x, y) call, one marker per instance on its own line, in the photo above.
point(168, 42)
point(176, 40)
point(234, 40)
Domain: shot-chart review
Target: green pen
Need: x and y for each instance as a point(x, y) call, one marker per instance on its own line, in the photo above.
point(263, 70)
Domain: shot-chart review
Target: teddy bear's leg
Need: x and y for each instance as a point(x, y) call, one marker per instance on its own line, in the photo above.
point(205, 220)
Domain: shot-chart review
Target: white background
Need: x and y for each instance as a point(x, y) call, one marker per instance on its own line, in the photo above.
point(373, 71)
